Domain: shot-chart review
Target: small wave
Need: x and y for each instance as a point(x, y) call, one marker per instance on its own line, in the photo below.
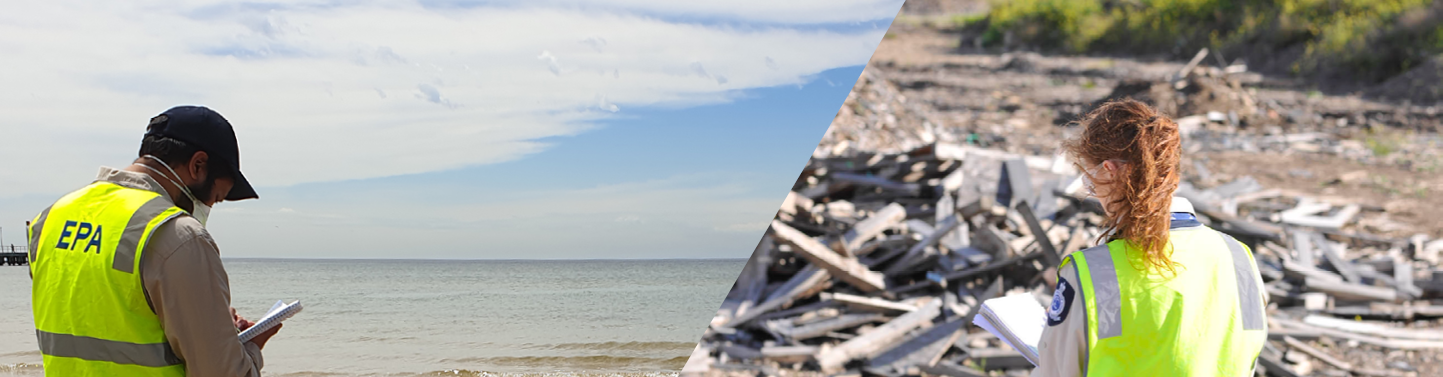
point(583, 362)
point(621, 346)
point(22, 369)
point(35, 353)
point(313, 374)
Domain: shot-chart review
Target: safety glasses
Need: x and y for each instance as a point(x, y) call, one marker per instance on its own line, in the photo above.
point(1087, 181)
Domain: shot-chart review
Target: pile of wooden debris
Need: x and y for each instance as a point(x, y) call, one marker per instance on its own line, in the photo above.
point(877, 262)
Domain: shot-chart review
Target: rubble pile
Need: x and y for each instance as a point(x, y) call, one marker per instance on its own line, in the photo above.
point(877, 262)
point(876, 117)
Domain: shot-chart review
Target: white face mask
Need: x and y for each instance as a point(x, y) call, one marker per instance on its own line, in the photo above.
point(199, 211)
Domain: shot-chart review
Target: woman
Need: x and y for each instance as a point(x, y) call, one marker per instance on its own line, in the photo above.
point(1164, 295)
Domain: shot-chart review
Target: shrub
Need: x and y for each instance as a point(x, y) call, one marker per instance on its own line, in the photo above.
point(1364, 36)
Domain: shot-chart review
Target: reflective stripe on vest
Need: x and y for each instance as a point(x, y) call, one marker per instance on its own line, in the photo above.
point(1140, 323)
point(134, 230)
point(34, 236)
point(64, 345)
point(91, 314)
point(1250, 299)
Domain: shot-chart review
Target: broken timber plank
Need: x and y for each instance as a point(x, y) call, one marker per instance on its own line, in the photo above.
point(740, 352)
point(1191, 64)
point(833, 359)
point(789, 354)
point(976, 207)
point(1350, 291)
point(871, 227)
point(923, 349)
point(989, 238)
point(1309, 272)
point(871, 304)
point(1050, 257)
point(1280, 333)
point(765, 370)
point(753, 280)
point(1016, 183)
point(1276, 367)
point(1316, 353)
point(803, 283)
point(888, 243)
point(1406, 344)
point(1405, 292)
point(1403, 279)
point(796, 310)
point(1236, 227)
point(950, 369)
point(1385, 310)
point(919, 227)
point(1303, 246)
point(845, 268)
point(988, 268)
point(1305, 215)
point(1372, 328)
point(1333, 253)
point(813, 330)
point(911, 189)
point(914, 254)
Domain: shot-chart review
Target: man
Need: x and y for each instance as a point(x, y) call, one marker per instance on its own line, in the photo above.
point(127, 281)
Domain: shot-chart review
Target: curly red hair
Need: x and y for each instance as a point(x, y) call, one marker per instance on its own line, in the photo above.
point(1150, 144)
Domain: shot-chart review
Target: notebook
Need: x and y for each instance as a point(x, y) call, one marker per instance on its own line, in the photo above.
point(279, 312)
point(1016, 319)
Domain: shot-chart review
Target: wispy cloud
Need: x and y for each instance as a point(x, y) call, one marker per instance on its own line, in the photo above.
point(326, 91)
point(766, 11)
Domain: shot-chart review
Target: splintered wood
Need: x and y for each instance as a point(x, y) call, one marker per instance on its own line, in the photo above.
point(875, 264)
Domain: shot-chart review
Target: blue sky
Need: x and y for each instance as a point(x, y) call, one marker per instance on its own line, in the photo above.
point(448, 129)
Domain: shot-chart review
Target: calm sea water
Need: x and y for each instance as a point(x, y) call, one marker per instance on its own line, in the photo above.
point(435, 318)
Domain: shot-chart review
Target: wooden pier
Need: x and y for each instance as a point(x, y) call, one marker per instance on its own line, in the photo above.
point(13, 255)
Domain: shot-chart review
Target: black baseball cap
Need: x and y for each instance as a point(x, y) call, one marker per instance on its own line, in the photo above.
point(207, 130)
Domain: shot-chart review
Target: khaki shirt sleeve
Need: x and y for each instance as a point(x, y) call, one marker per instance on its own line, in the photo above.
point(1063, 348)
point(189, 290)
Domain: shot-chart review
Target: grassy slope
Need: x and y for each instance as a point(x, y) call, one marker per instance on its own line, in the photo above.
point(1366, 39)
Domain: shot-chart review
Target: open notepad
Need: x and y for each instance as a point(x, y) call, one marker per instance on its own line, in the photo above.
point(1016, 319)
point(279, 312)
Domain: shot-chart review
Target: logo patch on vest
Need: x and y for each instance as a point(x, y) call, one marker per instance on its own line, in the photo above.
point(1061, 303)
point(83, 231)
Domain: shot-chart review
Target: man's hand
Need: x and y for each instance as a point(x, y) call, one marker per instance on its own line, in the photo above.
point(260, 340)
point(240, 322)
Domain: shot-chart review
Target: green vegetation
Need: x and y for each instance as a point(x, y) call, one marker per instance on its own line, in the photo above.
point(1376, 37)
point(963, 20)
point(1383, 145)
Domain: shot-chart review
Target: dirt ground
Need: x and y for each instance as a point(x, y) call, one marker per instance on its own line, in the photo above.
point(1029, 101)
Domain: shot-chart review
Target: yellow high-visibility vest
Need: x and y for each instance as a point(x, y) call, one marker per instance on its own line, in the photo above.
point(91, 314)
point(1207, 320)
